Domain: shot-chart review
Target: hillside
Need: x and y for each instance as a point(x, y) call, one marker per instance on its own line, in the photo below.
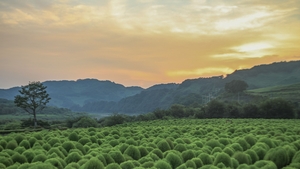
point(77, 93)
point(91, 95)
point(288, 92)
point(279, 73)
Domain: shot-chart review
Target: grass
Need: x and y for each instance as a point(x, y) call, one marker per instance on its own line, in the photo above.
point(288, 92)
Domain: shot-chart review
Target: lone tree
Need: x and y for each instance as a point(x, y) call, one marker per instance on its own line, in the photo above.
point(33, 98)
point(236, 86)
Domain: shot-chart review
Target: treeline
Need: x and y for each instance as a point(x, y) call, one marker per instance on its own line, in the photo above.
point(269, 109)
point(8, 107)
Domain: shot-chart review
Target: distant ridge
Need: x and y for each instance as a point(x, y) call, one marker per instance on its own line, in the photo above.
point(92, 95)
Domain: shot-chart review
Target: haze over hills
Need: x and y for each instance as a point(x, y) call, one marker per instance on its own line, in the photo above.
point(91, 95)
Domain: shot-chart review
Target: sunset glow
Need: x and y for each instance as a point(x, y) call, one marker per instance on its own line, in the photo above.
point(142, 42)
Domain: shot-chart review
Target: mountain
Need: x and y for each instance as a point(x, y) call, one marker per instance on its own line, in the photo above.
point(91, 95)
point(77, 93)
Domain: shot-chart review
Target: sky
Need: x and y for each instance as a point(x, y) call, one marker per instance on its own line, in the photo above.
point(142, 42)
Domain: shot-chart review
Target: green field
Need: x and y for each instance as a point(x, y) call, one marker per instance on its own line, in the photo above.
point(288, 92)
point(163, 144)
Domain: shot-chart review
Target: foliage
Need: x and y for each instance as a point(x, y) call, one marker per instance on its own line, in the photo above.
point(191, 143)
point(236, 86)
point(215, 109)
point(82, 121)
point(33, 98)
point(277, 108)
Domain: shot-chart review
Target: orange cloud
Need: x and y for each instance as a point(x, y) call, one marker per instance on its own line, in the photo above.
point(142, 42)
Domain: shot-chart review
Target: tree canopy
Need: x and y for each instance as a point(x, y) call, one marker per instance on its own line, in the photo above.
point(236, 86)
point(33, 98)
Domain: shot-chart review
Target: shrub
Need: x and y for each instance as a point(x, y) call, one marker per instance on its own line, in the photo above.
point(6, 161)
point(215, 150)
point(108, 158)
point(229, 151)
point(68, 145)
point(198, 162)
point(148, 164)
point(254, 157)
point(143, 151)
point(158, 152)
point(267, 141)
point(117, 156)
point(224, 141)
point(53, 141)
point(223, 158)
point(25, 144)
point(250, 139)
point(127, 165)
point(84, 140)
point(83, 122)
point(153, 156)
point(46, 147)
point(55, 162)
point(17, 157)
point(93, 163)
point(72, 166)
point(187, 155)
point(3, 143)
point(57, 151)
point(19, 138)
point(38, 136)
point(296, 157)
point(19, 149)
point(242, 158)
point(161, 164)
point(244, 144)
point(73, 136)
point(73, 157)
point(261, 152)
point(82, 162)
point(29, 154)
point(133, 152)
point(173, 159)
point(236, 147)
point(205, 158)
point(39, 157)
point(114, 143)
point(12, 144)
point(102, 159)
point(163, 145)
point(32, 141)
point(265, 164)
point(278, 155)
point(113, 166)
point(180, 147)
point(190, 164)
point(213, 143)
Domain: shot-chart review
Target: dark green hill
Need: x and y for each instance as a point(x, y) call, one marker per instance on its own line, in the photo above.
point(280, 73)
point(77, 93)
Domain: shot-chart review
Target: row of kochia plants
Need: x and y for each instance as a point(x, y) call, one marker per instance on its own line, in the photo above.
point(163, 144)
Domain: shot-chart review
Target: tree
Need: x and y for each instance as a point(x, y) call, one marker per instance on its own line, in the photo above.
point(33, 98)
point(277, 108)
point(236, 86)
point(215, 109)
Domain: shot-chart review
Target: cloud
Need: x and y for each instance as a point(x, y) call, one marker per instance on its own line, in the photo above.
point(144, 41)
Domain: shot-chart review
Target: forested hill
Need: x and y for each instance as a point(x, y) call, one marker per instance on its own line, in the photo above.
point(92, 95)
point(77, 93)
point(280, 73)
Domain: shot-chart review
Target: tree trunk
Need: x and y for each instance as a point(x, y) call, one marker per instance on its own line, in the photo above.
point(34, 119)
